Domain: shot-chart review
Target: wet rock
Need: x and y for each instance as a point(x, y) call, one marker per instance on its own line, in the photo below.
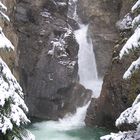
point(56, 106)
point(116, 95)
point(73, 24)
point(48, 60)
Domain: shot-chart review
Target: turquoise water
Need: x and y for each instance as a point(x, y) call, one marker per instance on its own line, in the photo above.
point(53, 131)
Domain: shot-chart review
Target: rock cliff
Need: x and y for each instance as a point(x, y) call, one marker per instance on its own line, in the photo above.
point(47, 52)
point(101, 17)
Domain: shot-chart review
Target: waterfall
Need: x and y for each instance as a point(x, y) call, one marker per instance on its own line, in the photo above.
point(74, 121)
point(88, 76)
point(86, 61)
point(87, 70)
point(86, 58)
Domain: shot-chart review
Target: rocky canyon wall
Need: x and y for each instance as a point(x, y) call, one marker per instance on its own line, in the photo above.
point(47, 51)
point(101, 15)
point(117, 94)
point(46, 55)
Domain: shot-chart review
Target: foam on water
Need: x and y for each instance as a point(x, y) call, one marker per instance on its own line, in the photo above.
point(48, 131)
point(74, 121)
point(55, 130)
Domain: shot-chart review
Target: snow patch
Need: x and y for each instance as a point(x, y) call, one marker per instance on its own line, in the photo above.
point(61, 3)
point(125, 23)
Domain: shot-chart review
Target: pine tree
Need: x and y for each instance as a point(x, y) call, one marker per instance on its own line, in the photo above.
point(12, 106)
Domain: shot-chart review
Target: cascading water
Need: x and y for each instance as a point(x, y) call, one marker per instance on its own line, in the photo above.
point(86, 61)
point(71, 127)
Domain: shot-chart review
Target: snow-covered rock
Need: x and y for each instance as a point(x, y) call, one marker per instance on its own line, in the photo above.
point(2, 6)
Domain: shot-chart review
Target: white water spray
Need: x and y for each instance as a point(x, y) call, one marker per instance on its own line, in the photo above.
point(74, 121)
point(57, 130)
point(86, 61)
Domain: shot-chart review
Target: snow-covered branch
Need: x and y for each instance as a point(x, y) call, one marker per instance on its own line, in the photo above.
point(4, 42)
point(12, 105)
point(2, 6)
point(136, 6)
point(133, 67)
point(132, 43)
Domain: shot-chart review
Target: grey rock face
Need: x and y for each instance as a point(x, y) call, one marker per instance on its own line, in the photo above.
point(48, 59)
